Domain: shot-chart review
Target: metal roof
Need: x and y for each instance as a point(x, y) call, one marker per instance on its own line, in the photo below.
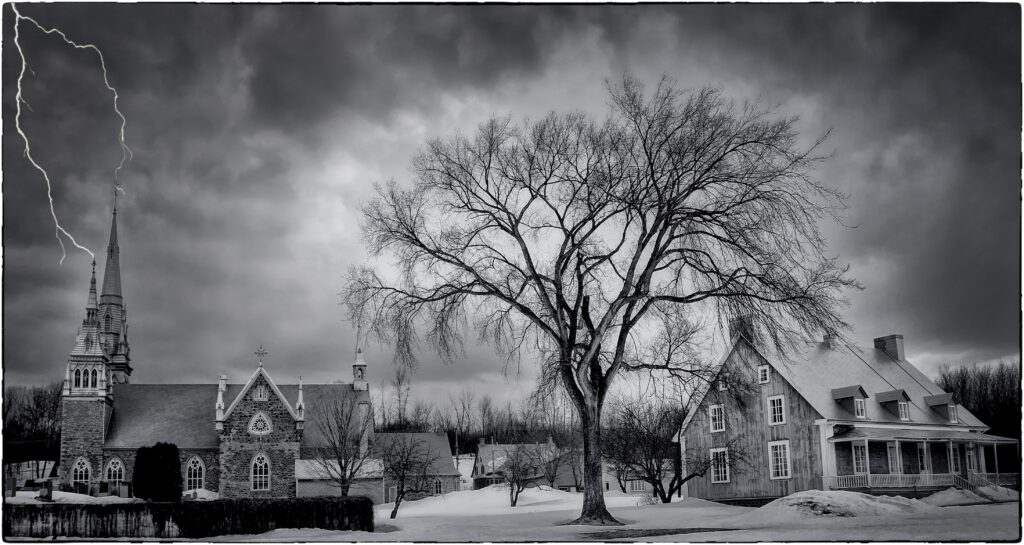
point(184, 414)
point(918, 434)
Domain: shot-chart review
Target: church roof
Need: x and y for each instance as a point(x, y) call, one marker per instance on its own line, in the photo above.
point(184, 414)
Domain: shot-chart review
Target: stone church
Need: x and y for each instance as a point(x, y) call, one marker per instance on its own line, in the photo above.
point(234, 439)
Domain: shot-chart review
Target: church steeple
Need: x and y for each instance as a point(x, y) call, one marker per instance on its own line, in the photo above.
point(90, 306)
point(112, 273)
point(113, 317)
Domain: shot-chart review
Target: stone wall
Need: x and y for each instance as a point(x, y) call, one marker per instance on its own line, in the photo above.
point(83, 423)
point(238, 446)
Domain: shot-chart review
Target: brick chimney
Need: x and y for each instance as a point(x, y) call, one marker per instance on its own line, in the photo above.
point(891, 345)
point(830, 341)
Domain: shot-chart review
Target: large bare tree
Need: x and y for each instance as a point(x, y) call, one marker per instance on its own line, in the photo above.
point(581, 238)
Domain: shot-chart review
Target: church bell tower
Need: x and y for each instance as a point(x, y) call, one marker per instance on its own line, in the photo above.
point(359, 372)
point(112, 313)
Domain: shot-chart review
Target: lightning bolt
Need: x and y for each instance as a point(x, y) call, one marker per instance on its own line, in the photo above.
point(126, 152)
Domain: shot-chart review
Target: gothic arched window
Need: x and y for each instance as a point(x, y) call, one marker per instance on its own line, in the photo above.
point(80, 471)
point(194, 474)
point(437, 487)
point(115, 472)
point(260, 475)
point(260, 424)
point(78, 378)
point(94, 377)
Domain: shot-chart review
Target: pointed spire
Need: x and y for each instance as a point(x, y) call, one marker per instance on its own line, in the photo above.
point(300, 405)
point(92, 305)
point(112, 273)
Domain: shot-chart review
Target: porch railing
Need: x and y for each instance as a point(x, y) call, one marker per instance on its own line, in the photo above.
point(1001, 479)
point(912, 480)
point(891, 480)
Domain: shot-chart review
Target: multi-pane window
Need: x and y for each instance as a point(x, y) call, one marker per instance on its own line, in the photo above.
point(194, 474)
point(260, 424)
point(78, 378)
point(952, 414)
point(904, 410)
point(260, 394)
point(94, 381)
point(922, 458)
point(438, 490)
point(777, 410)
point(972, 463)
point(80, 471)
point(894, 459)
point(721, 384)
point(954, 458)
point(860, 459)
point(115, 472)
point(763, 375)
point(860, 408)
point(260, 472)
point(778, 458)
point(637, 485)
point(717, 416)
point(719, 465)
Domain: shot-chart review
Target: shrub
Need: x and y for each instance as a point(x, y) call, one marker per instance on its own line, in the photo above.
point(157, 473)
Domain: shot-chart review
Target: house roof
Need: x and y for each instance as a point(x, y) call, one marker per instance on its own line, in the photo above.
point(493, 457)
point(814, 370)
point(443, 464)
point(184, 414)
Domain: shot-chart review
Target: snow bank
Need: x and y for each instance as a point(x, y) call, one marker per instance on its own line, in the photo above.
point(953, 496)
point(494, 500)
point(29, 496)
point(998, 493)
point(201, 494)
point(832, 503)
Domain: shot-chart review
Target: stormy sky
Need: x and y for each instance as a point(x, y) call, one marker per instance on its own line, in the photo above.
point(259, 130)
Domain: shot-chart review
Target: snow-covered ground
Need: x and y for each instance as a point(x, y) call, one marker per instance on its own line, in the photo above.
point(484, 515)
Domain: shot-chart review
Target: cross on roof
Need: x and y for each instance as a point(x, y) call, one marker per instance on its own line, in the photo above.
point(260, 352)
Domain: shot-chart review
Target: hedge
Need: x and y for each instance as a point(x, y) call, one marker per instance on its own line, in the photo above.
point(189, 519)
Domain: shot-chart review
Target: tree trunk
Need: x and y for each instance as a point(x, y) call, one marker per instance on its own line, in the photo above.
point(398, 501)
point(594, 510)
point(513, 496)
point(344, 489)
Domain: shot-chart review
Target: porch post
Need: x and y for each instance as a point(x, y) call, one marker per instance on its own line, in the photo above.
point(867, 460)
point(995, 458)
point(899, 458)
point(982, 466)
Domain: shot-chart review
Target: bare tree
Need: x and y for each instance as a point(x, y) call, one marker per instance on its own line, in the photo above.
point(583, 238)
point(345, 426)
point(639, 444)
point(698, 462)
point(462, 415)
point(402, 386)
point(990, 392)
point(486, 408)
point(405, 462)
point(420, 416)
point(520, 469)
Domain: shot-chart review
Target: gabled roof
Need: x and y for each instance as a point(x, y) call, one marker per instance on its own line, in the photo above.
point(493, 457)
point(814, 369)
point(273, 386)
point(184, 414)
point(442, 464)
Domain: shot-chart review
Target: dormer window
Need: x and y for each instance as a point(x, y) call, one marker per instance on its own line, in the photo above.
point(860, 408)
point(260, 393)
point(904, 411)
point(763, 376)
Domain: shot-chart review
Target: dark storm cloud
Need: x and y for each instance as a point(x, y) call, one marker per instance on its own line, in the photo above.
point(257, 129)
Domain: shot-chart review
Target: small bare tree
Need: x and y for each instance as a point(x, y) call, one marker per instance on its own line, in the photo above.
point(345, 425)
point(582, 238)
point(698, 462)
point(639, 444)
point(406, 463)
point(520, 469)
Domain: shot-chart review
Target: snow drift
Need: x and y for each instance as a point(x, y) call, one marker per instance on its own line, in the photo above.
point(832, 503)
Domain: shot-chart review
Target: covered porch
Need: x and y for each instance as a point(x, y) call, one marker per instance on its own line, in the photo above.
point(895, 459)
